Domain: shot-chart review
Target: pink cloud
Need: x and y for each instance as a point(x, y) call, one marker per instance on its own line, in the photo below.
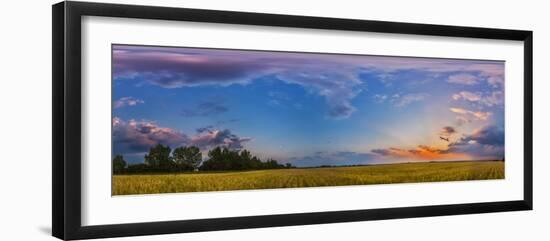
point(465, 79)
point(480, 115)
point(138, 136)
point(495, 98)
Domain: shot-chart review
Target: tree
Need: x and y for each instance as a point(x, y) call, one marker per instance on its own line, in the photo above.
point(224, 159)
point(215, 160)
point(118, 164)
point(187, 158)
point(159, 156)
point(272, 164)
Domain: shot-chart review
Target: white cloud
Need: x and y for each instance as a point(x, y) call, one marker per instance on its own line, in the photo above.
point(465, 79)
point(127, 101)
point(404, 100)
point(380, 98)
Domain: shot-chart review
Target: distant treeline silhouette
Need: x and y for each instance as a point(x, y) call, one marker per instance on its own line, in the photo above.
point(162, 159)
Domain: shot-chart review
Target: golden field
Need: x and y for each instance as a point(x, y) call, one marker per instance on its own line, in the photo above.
point(307, 177)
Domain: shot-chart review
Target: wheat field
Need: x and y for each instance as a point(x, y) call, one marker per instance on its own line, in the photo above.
point(308, 177)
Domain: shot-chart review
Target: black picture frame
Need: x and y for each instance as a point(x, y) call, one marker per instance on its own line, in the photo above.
point(66, 169)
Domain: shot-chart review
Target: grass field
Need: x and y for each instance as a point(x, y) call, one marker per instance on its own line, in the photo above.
point(311, 177)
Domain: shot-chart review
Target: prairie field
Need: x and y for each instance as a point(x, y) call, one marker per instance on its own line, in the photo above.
point(307, 177)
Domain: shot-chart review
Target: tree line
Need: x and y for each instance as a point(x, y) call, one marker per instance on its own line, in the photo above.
point(162, 159)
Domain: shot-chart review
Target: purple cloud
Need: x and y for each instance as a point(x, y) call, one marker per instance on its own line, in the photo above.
point(208, 138)
point(465, 79)
point(138, 136)
point(334, 77)
point(180, 69)
point(487, 142)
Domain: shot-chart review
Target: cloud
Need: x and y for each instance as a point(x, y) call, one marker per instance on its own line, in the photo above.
point(206, 108)
point(205, 129)
point(138, 136)
point(496, 81)
point(332, 76)
point(380, 98)
point(334, 158)
point(337, 86)
point(127, 101)
point(489, 135)
point(223, 122)
point(176, 69)
point(466, 95)
point(478, 115)
point(486, 142)
point(464, 79)
point(179, 67)
point(341, 110)
point(208, 138)
point(447, 131)
point(496, 98)
point(404, 100)
point(420, 153)
point(399, 100)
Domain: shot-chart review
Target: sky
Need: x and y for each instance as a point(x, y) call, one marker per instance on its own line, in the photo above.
point(307, 109)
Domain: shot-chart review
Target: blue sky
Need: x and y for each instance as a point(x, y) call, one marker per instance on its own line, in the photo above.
point(305, 108)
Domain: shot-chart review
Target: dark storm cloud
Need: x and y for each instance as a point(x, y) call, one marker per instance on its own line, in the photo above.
point(487, 142)
point(489, 135)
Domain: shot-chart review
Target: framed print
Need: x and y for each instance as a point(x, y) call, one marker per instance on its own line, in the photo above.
point(169, 120)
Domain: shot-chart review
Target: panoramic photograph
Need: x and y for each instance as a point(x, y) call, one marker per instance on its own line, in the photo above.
point(201, 119)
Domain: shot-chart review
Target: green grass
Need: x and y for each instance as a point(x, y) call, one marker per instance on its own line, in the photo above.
point(311, 177)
